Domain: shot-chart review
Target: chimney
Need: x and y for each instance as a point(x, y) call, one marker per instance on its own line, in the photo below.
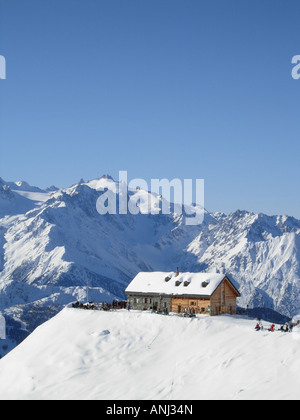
point(177, 272)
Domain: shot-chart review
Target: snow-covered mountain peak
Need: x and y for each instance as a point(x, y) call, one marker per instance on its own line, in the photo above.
point(20, 197)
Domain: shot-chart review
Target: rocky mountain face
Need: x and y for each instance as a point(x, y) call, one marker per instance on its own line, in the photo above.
point(57, 243)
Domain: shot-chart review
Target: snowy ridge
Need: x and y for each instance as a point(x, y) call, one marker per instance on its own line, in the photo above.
point(82, 354)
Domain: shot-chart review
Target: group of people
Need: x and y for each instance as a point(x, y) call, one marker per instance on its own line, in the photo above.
point(259, 326)
point(88, 305)
point(104, 306)
point(117, 304)
point(287, 327)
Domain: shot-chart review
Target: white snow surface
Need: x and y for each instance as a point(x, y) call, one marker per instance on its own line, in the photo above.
point(81, 354)
point(155, 283)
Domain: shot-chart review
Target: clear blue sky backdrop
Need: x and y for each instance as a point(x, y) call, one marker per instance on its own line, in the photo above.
point(160, 88)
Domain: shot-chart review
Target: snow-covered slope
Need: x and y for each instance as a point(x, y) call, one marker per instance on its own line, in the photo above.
point(50, 253)
point(82, 354)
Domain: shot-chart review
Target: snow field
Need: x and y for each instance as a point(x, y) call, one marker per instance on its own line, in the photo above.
point(82, 354)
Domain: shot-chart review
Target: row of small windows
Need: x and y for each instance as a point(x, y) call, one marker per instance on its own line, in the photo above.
point(148, 301)
point(142, 300)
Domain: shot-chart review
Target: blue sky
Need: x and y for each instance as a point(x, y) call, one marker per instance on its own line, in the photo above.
point(160, 88)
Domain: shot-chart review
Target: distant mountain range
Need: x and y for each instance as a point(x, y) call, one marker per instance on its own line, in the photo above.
point(54, 242)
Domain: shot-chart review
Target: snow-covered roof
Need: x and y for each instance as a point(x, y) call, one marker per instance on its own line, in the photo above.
point(196, 284)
